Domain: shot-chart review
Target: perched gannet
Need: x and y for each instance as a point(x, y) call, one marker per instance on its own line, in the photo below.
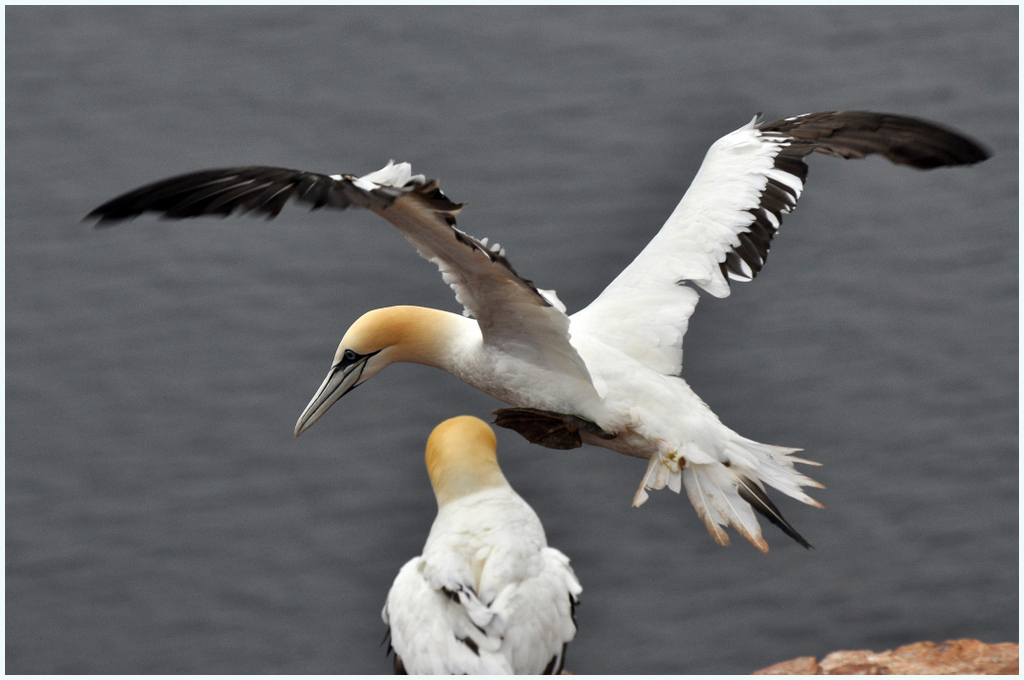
point(488, 596)
point(609, 374)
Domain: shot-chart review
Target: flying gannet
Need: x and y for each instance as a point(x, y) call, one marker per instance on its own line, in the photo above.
point(609, 374)
point(487, 596)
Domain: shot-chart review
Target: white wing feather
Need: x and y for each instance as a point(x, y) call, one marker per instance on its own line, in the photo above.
point(644, 312)
point(430, 632)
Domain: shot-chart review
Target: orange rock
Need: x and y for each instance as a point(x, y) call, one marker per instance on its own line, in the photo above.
point(805, 665)
point(953, 657)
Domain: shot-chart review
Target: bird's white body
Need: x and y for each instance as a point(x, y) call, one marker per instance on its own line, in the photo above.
point(494, 540)
point(506, 376)
point(487, 596)
point(651, 412)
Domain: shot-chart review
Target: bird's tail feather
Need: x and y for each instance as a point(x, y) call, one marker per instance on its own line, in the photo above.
point(730, 492)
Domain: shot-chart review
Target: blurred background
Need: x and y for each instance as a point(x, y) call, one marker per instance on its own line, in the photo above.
point(162, 519)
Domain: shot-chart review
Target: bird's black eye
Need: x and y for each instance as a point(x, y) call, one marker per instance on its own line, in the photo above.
point(350, 355)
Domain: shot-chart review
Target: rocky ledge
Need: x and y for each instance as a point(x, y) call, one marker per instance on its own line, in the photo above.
point(953, 657)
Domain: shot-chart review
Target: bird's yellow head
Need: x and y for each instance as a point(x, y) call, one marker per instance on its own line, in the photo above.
point(462, 459)
point(377, 339)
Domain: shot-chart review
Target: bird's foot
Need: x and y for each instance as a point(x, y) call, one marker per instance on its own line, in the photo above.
point(547, 428)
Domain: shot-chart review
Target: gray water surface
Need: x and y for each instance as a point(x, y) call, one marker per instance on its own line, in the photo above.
point(160, 516)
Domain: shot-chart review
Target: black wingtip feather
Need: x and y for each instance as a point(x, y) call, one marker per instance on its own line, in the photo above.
point(752, 493)
point(846, 134)
point(255, 189)
point(855, 134)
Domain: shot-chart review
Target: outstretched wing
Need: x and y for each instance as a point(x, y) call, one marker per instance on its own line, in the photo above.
point(724, 224)
point(513, 314)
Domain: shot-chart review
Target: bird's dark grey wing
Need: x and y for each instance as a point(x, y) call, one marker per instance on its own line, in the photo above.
point(856, 134)
point(512, 312)
point(263, 190)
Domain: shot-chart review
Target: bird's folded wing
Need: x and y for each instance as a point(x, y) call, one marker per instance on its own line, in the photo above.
point(540, 611)
point(512, 313)
point(724, 224)
point(433, 632)
point(543, 606)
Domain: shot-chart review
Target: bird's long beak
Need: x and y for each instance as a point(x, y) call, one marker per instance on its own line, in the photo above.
point(340, 380)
